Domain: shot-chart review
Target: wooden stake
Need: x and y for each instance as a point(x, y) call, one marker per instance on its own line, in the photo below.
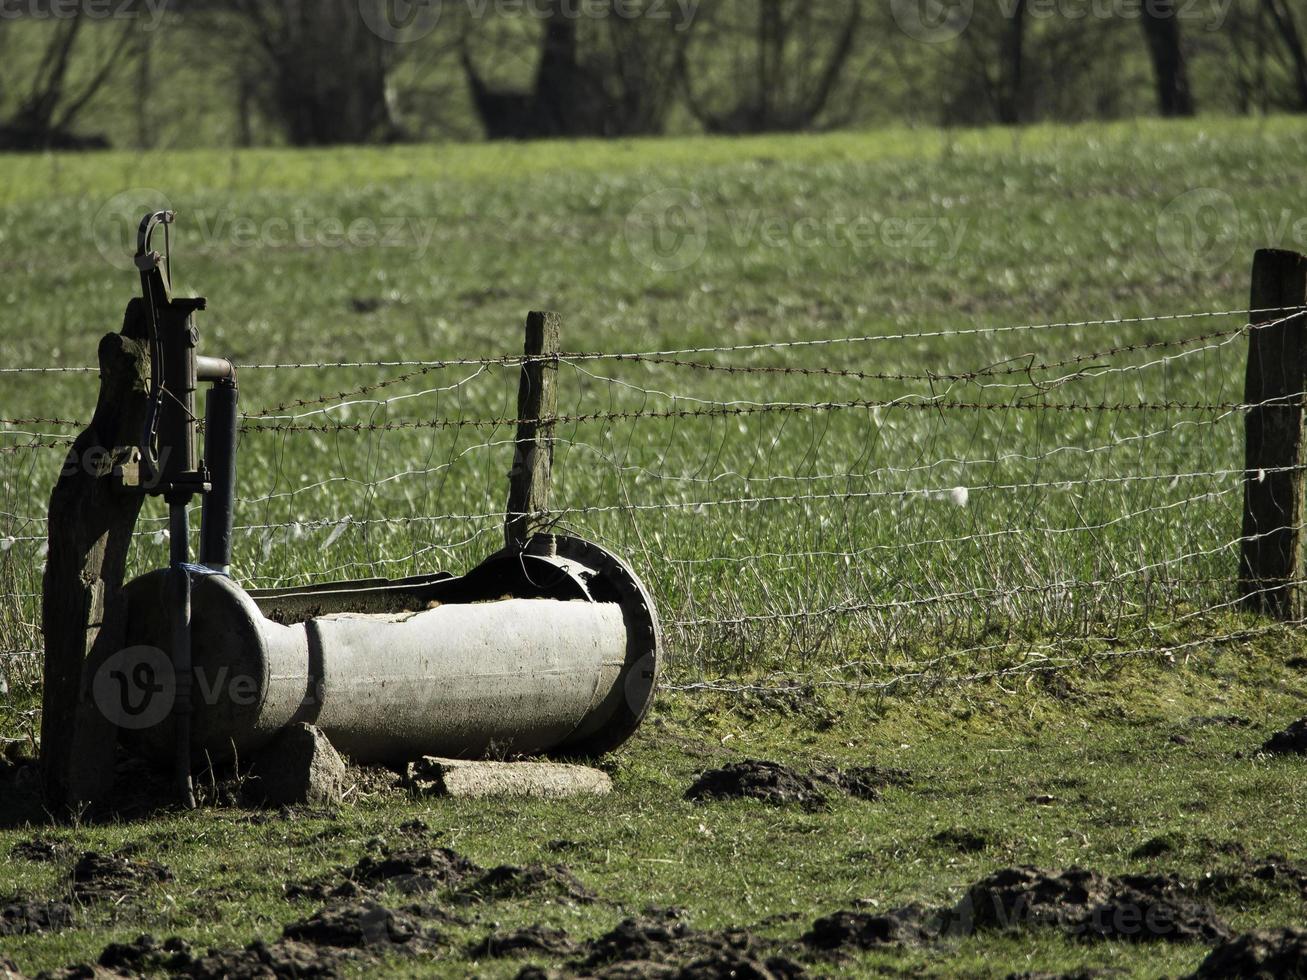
point(83, 615)
point(531, 478)
point(1275, 504)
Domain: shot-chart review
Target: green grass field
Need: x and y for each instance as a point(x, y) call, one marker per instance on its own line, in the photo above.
point(810, 544)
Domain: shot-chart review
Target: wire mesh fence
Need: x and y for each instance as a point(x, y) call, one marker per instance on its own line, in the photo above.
point(954, 504)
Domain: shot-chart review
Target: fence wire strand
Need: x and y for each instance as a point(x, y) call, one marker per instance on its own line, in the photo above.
point(980, 504)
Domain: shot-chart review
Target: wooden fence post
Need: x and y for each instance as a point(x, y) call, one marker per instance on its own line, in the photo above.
point(83, 615)
point(531, 478)
point(1275, 488)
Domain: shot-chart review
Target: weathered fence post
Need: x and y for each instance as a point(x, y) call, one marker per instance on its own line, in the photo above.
point(1275, 501)
point(537, 403)
point(83, 615)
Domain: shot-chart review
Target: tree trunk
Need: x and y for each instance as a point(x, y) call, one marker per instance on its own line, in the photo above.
point(620, 85)
point(1011, 103)
point(1287, 28)
point(1161, 26)
point(792, 76)
point(331, 76)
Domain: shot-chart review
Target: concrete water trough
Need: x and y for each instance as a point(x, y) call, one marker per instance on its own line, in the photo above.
point(553, 649)
point(550, 645)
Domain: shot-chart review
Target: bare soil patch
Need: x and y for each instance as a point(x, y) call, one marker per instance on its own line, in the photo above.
point(532, 940)
point(19, 917)
point(108, 877)
point(1290, 741)
point(1261, 955)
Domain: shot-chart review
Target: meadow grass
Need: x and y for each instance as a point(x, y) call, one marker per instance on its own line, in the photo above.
point(1084, 534)
point(1070, 519)
point(1075, 773)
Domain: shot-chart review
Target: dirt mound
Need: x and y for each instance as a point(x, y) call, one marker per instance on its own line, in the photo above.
point(268, 961)
point(651, 937)
point(963, 841)
point(414, 871)
point(755, 779)
point(146, 954)
point(717, 966)
point(1263, 955)
point(1252, 881)
point(362, 925)
point(846, 931)
point(737, 966)
point(509, 881)
point(660, 944)
point(1087, 904)
point(9, 970)
point(1084, 973)
point(23, 918)
point(38, 850)
point(532, 940)
point(100, 877)
point(1158, 846)
point(409, 871)
point(318, 948)
point(1291, 741)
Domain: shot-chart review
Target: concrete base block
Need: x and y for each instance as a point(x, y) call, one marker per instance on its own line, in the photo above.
point(299, 767)
point(454, 777)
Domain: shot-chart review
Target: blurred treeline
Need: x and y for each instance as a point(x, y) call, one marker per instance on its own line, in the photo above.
point(181, 73)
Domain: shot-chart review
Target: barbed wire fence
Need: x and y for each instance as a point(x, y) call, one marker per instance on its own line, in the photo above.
point(872, 511)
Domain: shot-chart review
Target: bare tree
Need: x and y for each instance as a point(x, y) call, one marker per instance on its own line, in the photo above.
point(1161, 24)
point(1292, 53)
point(610, 73)
point(1012, 88)
point(53, 98)
point(785, 59)
point(314, 67)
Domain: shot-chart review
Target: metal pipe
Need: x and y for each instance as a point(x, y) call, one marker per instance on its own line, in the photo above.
point(220, 459)
point(215, 369)
point(180, 577)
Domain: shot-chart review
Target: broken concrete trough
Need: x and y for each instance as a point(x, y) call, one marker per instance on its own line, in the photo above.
point(550, 650)
point(551, 645)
